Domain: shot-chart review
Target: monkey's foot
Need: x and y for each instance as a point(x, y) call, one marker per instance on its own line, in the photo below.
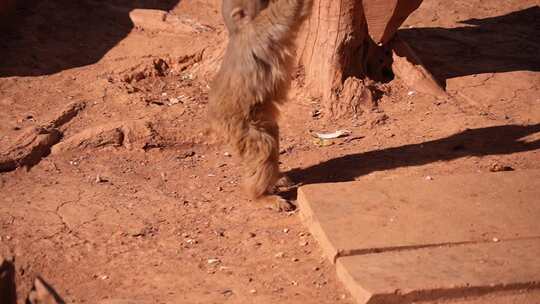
point(277, 203)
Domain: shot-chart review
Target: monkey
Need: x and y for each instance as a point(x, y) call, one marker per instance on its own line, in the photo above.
point(251, 84)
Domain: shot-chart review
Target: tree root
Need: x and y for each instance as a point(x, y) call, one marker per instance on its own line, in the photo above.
point(35, 143)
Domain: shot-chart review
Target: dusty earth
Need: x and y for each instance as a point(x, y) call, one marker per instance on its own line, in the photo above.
point(133, 203)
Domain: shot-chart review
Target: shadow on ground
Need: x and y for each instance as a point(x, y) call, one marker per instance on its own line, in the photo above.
point(51, 36)
point(41, 292)
point(60, 34)
point(495, 140)
point(491, 45)
point(8, 292)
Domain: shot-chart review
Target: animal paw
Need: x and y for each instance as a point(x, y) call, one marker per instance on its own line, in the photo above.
point(280, 204)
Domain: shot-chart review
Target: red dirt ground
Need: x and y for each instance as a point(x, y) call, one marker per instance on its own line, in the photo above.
point(134, 203)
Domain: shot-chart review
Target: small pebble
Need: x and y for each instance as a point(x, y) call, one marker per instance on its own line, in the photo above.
point(429, 177)
point(213, 261)
point(496, 240)
point(191, 241)
point(496, 167)
point(279, 255)
point(227, 292)
point(173, 101)
point(100, 179)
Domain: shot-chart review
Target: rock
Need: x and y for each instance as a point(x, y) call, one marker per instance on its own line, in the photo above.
point(496, 167)
point(408, 67)
point(354, 217)
point(149, 19)
point(101, 179)
point(29, 148)
point(67, 114)
point(445, 272)
point(379, 120)
point(186, 154)
point(213, 262)
point(123, 133)
point(158, 20)
point(227, 292)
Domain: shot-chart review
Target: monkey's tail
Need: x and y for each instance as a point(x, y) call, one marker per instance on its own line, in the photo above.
point(259, 149)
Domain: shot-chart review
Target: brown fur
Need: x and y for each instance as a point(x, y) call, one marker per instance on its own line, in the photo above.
point(253, 80)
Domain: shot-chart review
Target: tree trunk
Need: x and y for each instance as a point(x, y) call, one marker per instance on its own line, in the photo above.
point(344, 48)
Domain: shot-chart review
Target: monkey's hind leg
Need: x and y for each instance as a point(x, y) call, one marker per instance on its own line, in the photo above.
point(261, 154)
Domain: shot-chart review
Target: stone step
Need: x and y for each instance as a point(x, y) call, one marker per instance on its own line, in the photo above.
point(375, 216)
point(443, 272)
point(525, 296)
point(437, 239)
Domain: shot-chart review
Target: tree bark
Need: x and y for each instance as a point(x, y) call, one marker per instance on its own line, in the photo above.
point(330, 50)
point(344, 49)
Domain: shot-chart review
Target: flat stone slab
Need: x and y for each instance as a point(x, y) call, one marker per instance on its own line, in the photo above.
point(442, 273)
point(382, 215)
point(528, 296)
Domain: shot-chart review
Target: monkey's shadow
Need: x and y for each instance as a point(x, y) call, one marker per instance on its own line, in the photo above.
point(490, 45)
point(47, 37)
point(496, 140)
